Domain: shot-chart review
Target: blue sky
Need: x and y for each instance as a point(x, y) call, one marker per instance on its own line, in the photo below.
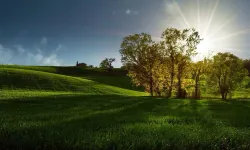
point(60, 32)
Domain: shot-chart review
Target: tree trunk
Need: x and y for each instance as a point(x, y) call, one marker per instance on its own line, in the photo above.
point(196, 90)
point(225, 95)
point(171, 77)
point(151, 86)
point(158, 93)
point(179, 92)
point(196, 87)
point(151, 83)
point(222, 94)
point(170, 88)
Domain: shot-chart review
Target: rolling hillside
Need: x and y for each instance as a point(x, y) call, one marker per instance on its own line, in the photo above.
point(31, 80)
point(44, 108)
point(116, 78)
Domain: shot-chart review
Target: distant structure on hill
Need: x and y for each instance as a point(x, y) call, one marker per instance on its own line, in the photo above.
point(84, 65)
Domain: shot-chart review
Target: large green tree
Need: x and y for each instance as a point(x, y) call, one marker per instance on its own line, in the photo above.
point(180, 46)
point(227, 73)
point(141, 56)
point(197, 71)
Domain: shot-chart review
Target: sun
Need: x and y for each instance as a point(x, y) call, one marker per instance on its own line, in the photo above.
point(204, 49)
point(219, 29)
point(205, 45)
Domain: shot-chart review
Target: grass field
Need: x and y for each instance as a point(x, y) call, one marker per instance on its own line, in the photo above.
point(47, 110)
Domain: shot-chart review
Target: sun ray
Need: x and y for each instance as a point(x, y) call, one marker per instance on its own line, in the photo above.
point(233, 35)
point(222, 26)
point(181, 13)
point(211, 17)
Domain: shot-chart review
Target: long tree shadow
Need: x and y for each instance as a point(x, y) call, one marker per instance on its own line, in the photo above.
point(54, 118)
point(234, 113)
point(71, 121)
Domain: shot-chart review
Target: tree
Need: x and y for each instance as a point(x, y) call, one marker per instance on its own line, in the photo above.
point(107, 64)
point(180, 45)
point(247, 66)
point(77, 63)
point(227, 73)
point(141, 56)
point(90, 66)
point(198, 70)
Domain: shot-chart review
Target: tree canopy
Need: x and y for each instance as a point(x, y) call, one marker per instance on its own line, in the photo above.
point(166, 66)
point(107, 64)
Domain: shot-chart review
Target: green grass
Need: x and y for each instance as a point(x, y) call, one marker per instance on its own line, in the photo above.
point(20, 79)
point(74, 108)
point(68, 121)
point(116, 78)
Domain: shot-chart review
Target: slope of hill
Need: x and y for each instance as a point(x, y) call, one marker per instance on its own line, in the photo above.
point(21, 79)
point(42, 109)
point(116, 78)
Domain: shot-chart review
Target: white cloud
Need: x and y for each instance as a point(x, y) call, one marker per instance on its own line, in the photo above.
point(38, 50)
point(131, 12)
point(49, 60)
point(20, 49)
point(128, 11)
point(44, 41)
point(52, 60)
point(6, 54)
point(39, 59)
point(31, 57)
point(59, 47)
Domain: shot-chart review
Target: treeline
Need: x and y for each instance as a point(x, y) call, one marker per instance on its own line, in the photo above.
point(165, 68)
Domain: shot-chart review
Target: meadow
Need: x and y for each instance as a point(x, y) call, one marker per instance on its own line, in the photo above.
point(43, 108)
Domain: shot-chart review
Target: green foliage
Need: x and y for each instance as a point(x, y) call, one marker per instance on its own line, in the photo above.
point(180, 46)
point(198, 71)
point(247, 65)
point(107, 64)
point(142, 58)
point(226, 74)
point(156, 65)
point(76, 113)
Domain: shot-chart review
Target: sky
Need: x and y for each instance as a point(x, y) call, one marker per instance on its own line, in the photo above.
point(61, 32)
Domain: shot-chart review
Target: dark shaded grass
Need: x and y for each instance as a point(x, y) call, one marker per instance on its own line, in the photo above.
point(20, 79)
point(118, 81)
point(117, 122)
point(118, 77)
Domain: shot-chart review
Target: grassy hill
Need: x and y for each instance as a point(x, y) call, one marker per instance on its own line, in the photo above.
point(116, 78)
point(22, 79)
point(74, 108)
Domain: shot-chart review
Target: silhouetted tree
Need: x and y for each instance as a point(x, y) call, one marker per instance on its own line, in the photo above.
point(91, 66)
point(77, 63)
point(107, 64)
point(82, 65)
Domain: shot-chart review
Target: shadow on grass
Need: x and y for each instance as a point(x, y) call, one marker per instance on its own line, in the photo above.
point(117, 77)
point(104, 122)
point(234, 113)
point(52, 121)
